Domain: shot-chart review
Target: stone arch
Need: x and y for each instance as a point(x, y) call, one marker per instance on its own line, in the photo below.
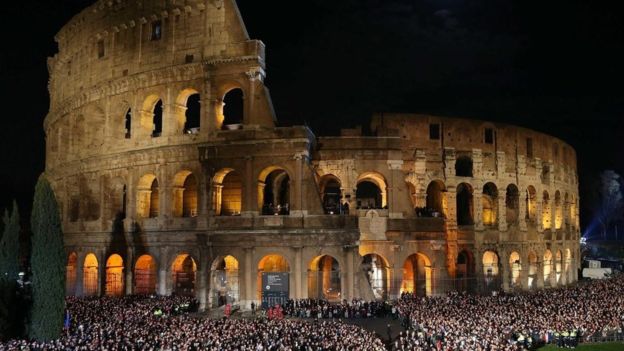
point(331, 194)
point(464, 204)
point(489, 204)
point(90, 275)
point(436, 199)
point(232, 111)
point(377, 272)
point(463, 166)
point(491, 270)
point(546, 210)
point(516, 269)
point(145, 275)
point(324, 278)
point(184, 271)
point(548, 267)
point(152, 115)
point(224, 281)
point(227, 192)
point(558, 210)
point(371, 190)
point(71, 272)
point(274, 191)
point(417, 275)
point(271, 263)
point(532, 273)
point(114, 276)
point(147, 197)
point(464, 270)
point(188, 111)
point(512, 204)
point(184, 194)
point(531, 204)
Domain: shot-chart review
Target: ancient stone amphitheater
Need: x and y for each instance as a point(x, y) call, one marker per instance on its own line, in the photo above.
point(172, 177)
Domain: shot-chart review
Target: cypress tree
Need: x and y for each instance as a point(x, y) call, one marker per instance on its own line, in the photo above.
point(47, 264)
point(9, 270)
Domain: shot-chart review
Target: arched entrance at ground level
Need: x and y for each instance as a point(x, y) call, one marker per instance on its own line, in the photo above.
point(70, 274)
point(547, 267)
point(417, 275)
point(90, 275)
point(114, 276)
point(145, 275)
point(516, 268)
point(184, 270)
point(224, 286)
point(532, 276)
point(491, 270)
point(378, 274)
point(324, 278)
point(464, 271)
point(274, 294)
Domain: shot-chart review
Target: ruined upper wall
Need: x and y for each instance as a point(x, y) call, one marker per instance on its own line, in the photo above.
point(118, 38)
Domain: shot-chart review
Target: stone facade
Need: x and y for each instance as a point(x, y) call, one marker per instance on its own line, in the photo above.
point(162, 190)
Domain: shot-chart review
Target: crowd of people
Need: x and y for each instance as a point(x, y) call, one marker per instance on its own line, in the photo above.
point(317, 308)
point(561, 316)
point(164, 323)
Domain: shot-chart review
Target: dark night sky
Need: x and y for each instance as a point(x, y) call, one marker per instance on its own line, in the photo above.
point(554, 66)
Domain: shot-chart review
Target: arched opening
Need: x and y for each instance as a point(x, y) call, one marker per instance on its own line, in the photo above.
point(183, 270)
point(224, 281)
point(147, 197)
point(274, 191)
point(417, 275)
point(558, 266)
point(272, 264)
point(547, 267)
point(489, 203)
point(114, 276)
point(464, 204)
point(184, 195)
point(546, 214)
point(464, 271)
point(491, 271)
point(331, 194)
point(532, 276)
point(371, 191)
point(531, 205)
point(378, 274)
point(512, 204)
point(516, 268)
point(558, 210)
point(70, 274)
point(145, 275)
point(324, 278)
point(192, 114)
point(463, 166)
point(90, 275)
point(128, 124)
point(227, 193)
point(157, 119)
point(233, 109)
point(435, 199)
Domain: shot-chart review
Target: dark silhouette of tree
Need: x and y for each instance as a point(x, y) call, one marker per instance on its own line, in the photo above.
point(9, 270)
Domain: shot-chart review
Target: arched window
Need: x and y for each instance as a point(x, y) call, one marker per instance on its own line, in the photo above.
point(489, 202)
point(233, 109)
point(531, 204)
point(192, 114)
point(147, 197)
point(464, 205)
point(157, 119)
point(463, 166)
point(128, 124)
point(512, 204)
point(185, 195)
point(228, 193)
point(371, 191)
point(435, 199)
point(331, 194)
point(154, 199)
point(275, 187)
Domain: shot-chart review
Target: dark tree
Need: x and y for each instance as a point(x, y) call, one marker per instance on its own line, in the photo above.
point(47, 264)
point(9, 269)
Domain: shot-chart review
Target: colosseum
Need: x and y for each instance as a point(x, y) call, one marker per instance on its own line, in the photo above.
point(173, 178)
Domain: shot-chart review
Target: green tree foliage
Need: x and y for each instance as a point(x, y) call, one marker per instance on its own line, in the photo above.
point(47, 264)
point(9, 269)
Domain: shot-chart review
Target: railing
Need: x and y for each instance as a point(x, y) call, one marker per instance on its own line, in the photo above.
point(263, 222)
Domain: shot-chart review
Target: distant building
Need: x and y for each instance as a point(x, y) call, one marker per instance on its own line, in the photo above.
point(173, 178)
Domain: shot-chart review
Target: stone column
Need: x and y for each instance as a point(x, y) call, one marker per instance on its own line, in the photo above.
point(522, 211)
point(396, 281)
point(101, 255)
point(477, 204)
point(299, 271)
point(78, 291)
point(393, 197)
point(202, 281)
point(539, 212)
point(176, 202)
point(502, 210)
point(540, 273)
point(506, 270)
point(207, 118)
point(162, 272)
point(251, 199)
point(250, 292)
point(450, 197)
point(129, 273)
point(349, 292)
point(297, 196)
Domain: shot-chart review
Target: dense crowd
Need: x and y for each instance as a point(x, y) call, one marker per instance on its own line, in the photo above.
point(512, 322)
point(315, 308)
point(162, 323)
